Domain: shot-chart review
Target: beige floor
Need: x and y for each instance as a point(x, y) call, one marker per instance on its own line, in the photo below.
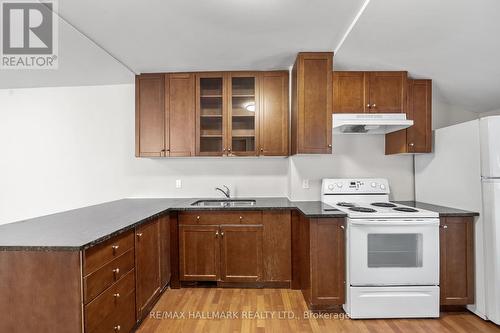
point(280, 310)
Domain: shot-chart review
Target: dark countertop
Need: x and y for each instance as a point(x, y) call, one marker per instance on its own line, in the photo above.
point(81, 228)
point(443, 211)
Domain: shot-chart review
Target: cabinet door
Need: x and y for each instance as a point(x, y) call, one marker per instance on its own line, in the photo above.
point(199, 252)
point(277, 249)
point(419, 136)
point(349, 92)
point(147, 261)
point(327, 241)
point(243, 115)
point(211, 114)
point(457, 261)
point(150, 115)
point(387, 92)
point(241, 259)
point(165, 270)
point(180, 114)
point(312, 114)
point(274, 114)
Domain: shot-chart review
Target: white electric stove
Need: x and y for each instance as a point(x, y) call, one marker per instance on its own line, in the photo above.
point(392, 251)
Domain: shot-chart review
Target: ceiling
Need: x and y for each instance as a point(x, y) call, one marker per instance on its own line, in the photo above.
point(190, 35)
point(453, 42)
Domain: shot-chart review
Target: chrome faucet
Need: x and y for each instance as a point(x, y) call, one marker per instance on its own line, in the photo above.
point(227, 192)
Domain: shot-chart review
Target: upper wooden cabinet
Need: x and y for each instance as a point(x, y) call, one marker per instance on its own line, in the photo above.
point(150, 115)
point(417, 138)
point(179, 109)
point(374, 92)
point(312, 103)
point(164, 115)
point(273, 128)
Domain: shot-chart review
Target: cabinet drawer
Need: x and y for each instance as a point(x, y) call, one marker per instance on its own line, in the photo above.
point(105, 276)
point(101, 254)
point(109, 302)
point(221, 217)
point(121, 320)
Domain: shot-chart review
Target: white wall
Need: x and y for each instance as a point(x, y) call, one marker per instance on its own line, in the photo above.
point(65, 148)
point(353, 156)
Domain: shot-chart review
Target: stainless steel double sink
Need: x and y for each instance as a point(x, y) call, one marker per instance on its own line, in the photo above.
point(224, 203)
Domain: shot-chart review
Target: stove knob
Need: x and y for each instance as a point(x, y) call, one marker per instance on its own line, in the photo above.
point(382, 186)
point(330, 187)
point(340, 185)
point(374, 184)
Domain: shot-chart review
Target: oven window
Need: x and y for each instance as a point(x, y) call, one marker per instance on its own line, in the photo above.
point(394, 250)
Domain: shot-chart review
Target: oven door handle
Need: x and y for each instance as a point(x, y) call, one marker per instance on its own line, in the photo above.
point(394, 223)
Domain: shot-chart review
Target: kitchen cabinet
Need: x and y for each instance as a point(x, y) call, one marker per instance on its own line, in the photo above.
point(311, 129)
point(321, 256)
point(369, 92)
point(241, 253)
point(165, 244)
point(180, 114)
point(235, 247)
point(417, 138)
point(147, 257)
point(273, 124)
point(165, 114)
point(199, 252)
point(150, 115)
point(456, 260)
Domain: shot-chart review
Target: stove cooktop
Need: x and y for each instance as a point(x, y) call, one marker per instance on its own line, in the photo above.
point(381, 209)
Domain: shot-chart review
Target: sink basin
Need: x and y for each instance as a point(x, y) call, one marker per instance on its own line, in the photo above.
point(224, 203)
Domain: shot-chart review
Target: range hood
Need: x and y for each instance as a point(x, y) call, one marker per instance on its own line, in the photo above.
point(369, 123)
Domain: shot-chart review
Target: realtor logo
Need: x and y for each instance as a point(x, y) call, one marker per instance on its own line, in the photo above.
point(29, 34)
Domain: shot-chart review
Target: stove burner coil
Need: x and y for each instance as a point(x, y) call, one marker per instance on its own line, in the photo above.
point(346, 204)
point(363, 209)
point(406, 209)
point(383, 204)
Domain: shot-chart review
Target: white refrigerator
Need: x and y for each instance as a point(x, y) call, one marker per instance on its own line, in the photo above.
point(490, 178)
point(464, 172)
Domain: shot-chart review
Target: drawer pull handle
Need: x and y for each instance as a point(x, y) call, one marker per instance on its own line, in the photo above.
point(116, 295)
point(117, 328)
point(115, 247)
point(139, 234)
point(116, 271)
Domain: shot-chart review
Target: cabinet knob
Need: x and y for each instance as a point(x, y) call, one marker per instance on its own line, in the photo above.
point(197, 219)
point(116, 271)
point(374, 105)
point(115, 247)
point(261, 149)
point(117, 328)
point(342, 227)
point(329, 146)
point(222, 233)
point(444, 226)
point(139, 234)
point(116, 295)
point(368, 105)
point(241, 218)
point(217, 233)
point(411, 144)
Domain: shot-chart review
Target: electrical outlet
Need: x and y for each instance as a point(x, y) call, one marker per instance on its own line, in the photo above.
point(178, 183)
point(305, 183)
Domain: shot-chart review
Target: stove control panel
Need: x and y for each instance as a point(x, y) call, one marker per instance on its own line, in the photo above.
point(355, 186)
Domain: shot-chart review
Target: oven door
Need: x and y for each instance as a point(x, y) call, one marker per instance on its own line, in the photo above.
point(393, 252)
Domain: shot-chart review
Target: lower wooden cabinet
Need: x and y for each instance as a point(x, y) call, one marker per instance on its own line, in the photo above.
point(147, 262)
point(321, 257)
point(243, 247)
point(457, 260)
point(241, 253)
point(199, 252)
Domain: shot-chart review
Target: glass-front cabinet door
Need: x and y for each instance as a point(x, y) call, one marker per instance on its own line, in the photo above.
point(243, 113)
point(211, 114)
